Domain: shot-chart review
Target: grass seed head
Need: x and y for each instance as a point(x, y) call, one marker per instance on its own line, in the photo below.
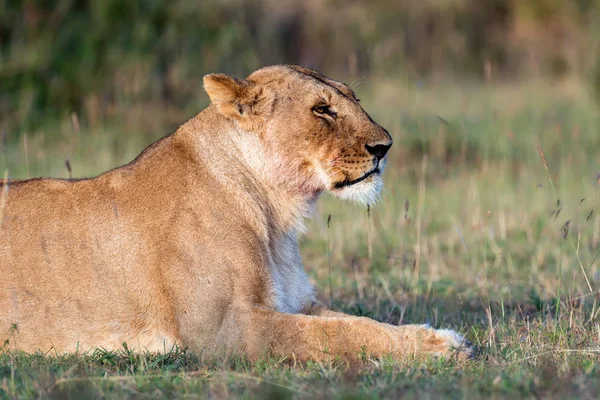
point(565, 229)
point(543, 156)
point(68, 165)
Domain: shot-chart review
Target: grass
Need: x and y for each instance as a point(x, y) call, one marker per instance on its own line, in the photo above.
point(475, 231)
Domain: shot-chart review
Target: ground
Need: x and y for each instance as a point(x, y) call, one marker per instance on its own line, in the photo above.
point(475, 231)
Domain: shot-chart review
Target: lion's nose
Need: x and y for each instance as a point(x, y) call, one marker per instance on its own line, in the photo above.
point(379, 150)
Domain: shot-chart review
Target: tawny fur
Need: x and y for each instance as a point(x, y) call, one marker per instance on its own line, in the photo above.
point(195, 243)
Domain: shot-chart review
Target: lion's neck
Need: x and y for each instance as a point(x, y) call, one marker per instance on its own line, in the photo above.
point(254, 174)
point(279, 182)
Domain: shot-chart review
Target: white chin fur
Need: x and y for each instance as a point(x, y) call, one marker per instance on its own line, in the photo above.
point(365, 192)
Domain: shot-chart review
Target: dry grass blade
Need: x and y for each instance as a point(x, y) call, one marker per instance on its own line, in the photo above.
point(3, 196)
point(543, 156)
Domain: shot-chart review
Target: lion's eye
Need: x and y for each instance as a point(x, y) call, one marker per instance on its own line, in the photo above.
point(324, 109)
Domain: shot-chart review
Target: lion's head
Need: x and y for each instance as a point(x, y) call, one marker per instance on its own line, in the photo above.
point(314, 131)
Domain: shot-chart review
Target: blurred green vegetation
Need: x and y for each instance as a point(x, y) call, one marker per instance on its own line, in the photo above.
point(94, 58)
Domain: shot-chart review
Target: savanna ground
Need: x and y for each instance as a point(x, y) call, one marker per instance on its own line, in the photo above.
point(473, 232)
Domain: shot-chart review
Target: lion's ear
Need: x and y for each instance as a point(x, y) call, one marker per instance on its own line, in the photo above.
point(230, 95)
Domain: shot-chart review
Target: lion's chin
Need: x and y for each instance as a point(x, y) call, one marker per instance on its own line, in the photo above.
point(365, 192)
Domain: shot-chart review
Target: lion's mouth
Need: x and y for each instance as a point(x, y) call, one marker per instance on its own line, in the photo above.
point(349, 182)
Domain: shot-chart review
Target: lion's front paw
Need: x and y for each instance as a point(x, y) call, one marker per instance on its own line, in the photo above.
point(423, 341)
point(453, 343)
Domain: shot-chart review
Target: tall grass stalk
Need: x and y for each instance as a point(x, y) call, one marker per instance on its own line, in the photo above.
point(329, 260)
point(4, 196)
point(370, 255)
point(419, 221)
point(26, 151)
point(543, 157)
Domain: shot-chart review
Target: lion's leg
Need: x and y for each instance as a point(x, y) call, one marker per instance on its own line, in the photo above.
point(311, 337)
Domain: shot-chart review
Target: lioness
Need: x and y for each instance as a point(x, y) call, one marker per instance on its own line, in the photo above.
point(195, 242)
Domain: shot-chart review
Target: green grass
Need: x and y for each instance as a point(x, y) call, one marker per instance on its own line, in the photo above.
point(179, 374)
point(467, 235)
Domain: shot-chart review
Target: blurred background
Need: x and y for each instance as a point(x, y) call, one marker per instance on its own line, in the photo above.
point(468, 88)
point(93, 57)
